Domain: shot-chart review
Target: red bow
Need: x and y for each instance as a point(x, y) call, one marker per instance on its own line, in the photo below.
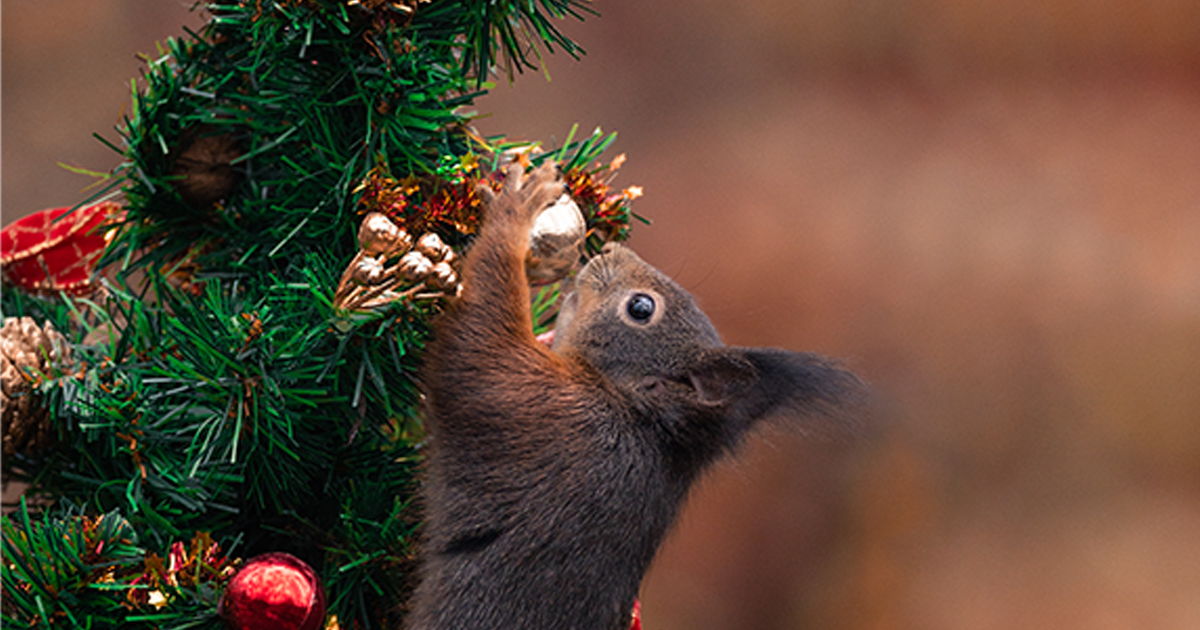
point(47, 251)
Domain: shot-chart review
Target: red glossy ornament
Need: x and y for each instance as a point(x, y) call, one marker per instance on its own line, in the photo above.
point(274, 591)
point(636, 623)
point(53, 251)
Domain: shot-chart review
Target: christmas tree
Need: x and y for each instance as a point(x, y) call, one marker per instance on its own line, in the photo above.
point(298, 184)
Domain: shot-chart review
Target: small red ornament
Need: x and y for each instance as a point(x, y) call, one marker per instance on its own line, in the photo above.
point(47, 251)
point(636, 623)
point(274, 591)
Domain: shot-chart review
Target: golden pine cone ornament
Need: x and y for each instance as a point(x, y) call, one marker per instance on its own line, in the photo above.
point(442, 277)
point(414, 267)
point(379, 236)
point(28, 352)
point(392, 265)
point(434, 249)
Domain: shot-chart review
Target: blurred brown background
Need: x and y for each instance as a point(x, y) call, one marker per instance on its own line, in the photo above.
point(992, 210)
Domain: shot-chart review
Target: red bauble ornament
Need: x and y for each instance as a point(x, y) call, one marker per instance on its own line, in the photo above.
point(636, 622)
point(47, 251)
point(274, 591)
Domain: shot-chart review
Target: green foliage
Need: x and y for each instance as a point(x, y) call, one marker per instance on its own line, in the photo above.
point(53, 568)
point(308, 98)
point(517, 28)
point(71, 570)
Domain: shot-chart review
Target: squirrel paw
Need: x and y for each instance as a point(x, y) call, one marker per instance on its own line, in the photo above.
point(523, 195)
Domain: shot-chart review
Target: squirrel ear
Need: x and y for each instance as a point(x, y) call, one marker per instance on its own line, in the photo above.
point(720, 377)
point(753, 383)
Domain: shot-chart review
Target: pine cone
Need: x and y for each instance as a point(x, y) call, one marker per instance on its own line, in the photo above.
point(203, 161)
point(27, 351)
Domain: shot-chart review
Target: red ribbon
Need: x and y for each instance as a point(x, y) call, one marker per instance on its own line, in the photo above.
point(53, 251)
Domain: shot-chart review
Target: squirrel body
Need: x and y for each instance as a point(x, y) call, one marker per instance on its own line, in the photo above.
point(554, 473)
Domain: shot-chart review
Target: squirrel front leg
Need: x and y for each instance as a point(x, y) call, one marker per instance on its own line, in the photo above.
point(496, 289)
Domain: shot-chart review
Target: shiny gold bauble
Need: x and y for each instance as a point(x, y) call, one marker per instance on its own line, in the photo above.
point(555, 241)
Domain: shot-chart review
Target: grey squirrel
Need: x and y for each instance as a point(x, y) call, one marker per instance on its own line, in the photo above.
point(554, 473)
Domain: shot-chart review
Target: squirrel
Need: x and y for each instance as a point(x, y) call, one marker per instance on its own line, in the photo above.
point(554, 473)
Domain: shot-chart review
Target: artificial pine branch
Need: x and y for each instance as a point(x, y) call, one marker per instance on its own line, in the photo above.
point(55, 569)
point(517, 30)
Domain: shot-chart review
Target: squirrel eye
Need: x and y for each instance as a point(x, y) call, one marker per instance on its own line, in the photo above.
point(640, 307)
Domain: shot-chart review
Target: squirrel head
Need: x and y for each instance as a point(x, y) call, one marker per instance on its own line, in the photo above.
point(644, 332)
point(629, 320)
